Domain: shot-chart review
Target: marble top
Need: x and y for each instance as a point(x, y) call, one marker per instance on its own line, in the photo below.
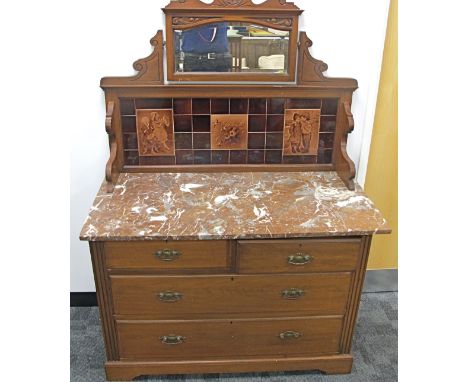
point(188, 206)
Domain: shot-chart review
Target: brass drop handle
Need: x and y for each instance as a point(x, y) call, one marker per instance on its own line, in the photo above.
point(292, 294)
point(172, 339)
point(170, 296)
point(167, 254)
point(299, 259)
point(290, 335)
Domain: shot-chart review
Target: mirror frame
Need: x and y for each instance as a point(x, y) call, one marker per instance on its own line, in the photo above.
point(186, 14)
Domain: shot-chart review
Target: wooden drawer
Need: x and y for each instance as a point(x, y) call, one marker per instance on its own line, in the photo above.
point(168, 255)
point(220, 338)
point(204, 296)
point(298, 256)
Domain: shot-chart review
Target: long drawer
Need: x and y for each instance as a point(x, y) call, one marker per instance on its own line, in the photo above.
point(218, 338)
point(177, 296)
point(298, 256)
point(173, 255)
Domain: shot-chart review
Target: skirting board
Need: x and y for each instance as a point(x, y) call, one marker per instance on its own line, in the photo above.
point(379, 280)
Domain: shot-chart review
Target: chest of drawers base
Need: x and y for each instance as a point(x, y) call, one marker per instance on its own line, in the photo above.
point(182, 307)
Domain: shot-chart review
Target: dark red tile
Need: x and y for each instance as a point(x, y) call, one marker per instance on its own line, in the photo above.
point(256, 156)
point(273, 156)
point(257, 106)
point(182, 123)
point(131, 158)
point(183, 141)
point(201, 156)
point(274, 140)
point(237, 156)
point(157, 161)
point(257, 122)
point(239, 106)
point(275, 105)
point(275, 123)
point(201, 123)
point(256, 141)
point(184, 156)
point(201, 106)
point(324, 156)
point(304, 103)
point(127, 106)
point(327, 123)
point(219, 156)
point(130, 141)
point(329, 106)
point(201, 140)
point(182, 106)
point(326, 140)
point(129, 124)
point(153, 103)
point(220, 106)
point(299, 159)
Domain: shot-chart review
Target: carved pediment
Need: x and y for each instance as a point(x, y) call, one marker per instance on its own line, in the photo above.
point(226, 4)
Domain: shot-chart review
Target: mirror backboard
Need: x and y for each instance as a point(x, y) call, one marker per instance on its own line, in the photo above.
point(231, 40)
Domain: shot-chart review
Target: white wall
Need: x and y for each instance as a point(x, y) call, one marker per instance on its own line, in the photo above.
point(110, 35)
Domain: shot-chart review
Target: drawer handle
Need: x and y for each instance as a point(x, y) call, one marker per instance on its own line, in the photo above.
point(299, 259)
point(169, 296)
point(167, 254)
point(290, 335)
point(292, 294)
point(172, 339)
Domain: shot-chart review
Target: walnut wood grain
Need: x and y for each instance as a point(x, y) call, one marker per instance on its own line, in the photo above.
point(324, 294)
point(127, 370)
point(110, 129)
point(272, 256)
point(192, 255)
point(141, 340)
point(345, 167)
point(104, 298)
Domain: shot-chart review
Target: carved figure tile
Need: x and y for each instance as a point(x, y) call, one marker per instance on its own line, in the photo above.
point(155, 131)
point(229, 131)
point(301, 131)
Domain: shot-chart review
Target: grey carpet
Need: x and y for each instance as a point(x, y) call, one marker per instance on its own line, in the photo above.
point(374, 349)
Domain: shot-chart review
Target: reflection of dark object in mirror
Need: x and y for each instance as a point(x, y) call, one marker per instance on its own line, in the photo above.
point(206, 49)
point(207, 62)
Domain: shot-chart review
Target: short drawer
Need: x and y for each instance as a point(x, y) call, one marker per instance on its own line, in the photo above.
point(202, 296)
point(168, 255)
point(298, 256)
point(152, 340)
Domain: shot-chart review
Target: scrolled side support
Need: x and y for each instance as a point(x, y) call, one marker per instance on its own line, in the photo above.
point(344, 165)
point(110, 177)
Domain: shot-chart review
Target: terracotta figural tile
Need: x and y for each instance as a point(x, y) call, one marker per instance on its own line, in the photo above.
point(229, 131)
point(155, 131)
point(301, 131)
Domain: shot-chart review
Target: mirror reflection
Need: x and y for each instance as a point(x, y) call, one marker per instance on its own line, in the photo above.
point(231, 47)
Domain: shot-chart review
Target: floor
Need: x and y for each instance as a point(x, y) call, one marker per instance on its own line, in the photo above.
point(374, 349)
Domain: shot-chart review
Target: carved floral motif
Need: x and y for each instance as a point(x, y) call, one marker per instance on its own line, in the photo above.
point(282, 22)
point(229, 131)
point(155, 132)
point(301, 131)
point(231, 3)
point(188, 20)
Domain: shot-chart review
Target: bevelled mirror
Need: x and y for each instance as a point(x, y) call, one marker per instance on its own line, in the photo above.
point(231, 40)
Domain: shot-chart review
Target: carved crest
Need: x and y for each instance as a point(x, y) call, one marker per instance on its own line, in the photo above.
point(155, 132)
point(301, 131)
point(267, 4)
point(229, 131)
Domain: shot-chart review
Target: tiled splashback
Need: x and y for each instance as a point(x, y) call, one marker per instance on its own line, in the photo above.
point(166, 131)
